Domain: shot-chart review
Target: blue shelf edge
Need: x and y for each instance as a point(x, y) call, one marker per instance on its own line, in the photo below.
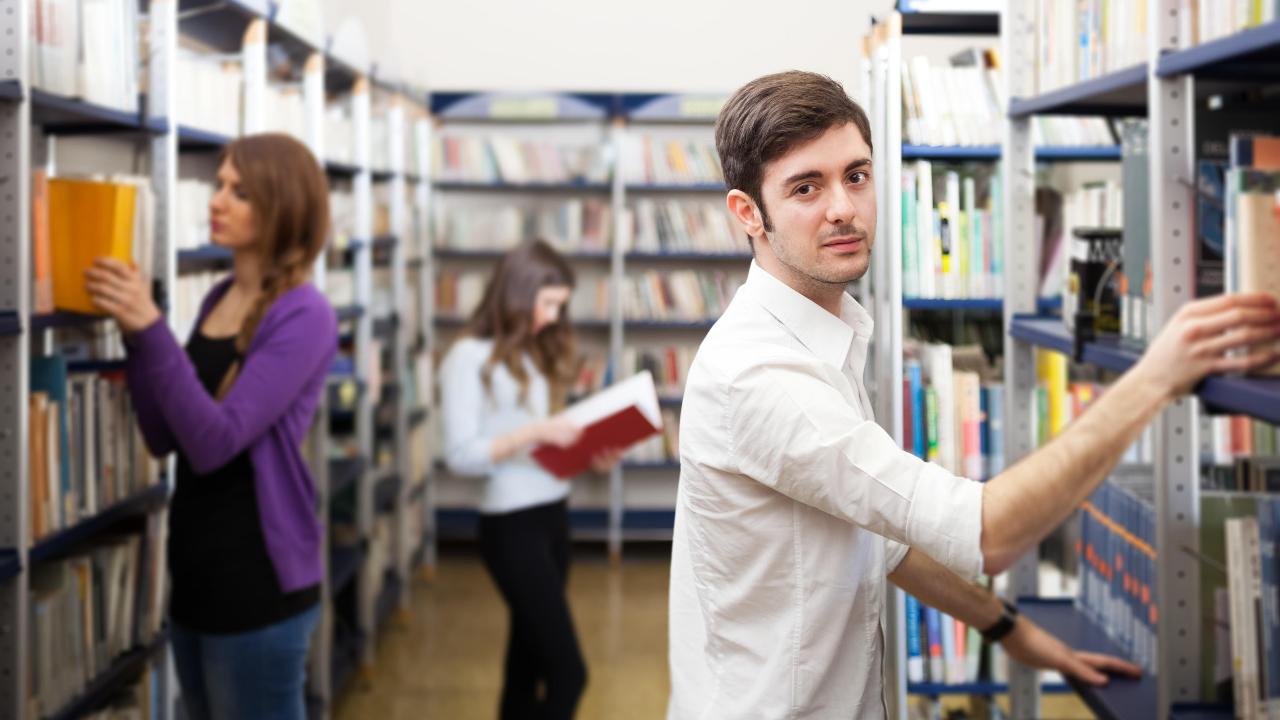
point(1258, 397)
point(480, 186)
point(1095, 96)
point(349, 312)
point(64, 319)
point(462, 523)
point(981, 687)
point(10, 324)
point(10, 564)
point(65, 114)
point(195, 138)
point(123, 670)
point(677, 187)
point(11, 91)
point(68, 539)
point(993, 152)
point(495, 253)
point(1210, 55)
point(688, 256)
point(95, 366)
point(990, 304)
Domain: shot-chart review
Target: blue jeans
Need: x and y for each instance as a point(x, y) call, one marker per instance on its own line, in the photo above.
point(257, 675)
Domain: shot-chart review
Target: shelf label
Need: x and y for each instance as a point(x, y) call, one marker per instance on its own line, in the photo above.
point(534, 108)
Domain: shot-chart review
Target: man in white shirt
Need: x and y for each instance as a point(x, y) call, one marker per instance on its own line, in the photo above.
point(794, 506)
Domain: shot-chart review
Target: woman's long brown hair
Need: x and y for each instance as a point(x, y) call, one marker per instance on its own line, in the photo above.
point(290, 198)
point(505, 315)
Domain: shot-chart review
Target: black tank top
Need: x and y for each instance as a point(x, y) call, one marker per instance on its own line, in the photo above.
point(223, 579)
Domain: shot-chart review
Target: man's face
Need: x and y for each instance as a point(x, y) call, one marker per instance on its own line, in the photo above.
point(821, 202)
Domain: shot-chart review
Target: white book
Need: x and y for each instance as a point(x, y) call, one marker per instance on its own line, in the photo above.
point(1244, 589)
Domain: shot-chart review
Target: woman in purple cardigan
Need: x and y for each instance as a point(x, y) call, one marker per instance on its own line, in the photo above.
point(244, 540)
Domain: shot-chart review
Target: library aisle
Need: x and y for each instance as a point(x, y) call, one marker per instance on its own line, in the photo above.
point(1052, 181)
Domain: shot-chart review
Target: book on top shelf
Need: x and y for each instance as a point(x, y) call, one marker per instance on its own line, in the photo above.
point(613, 419)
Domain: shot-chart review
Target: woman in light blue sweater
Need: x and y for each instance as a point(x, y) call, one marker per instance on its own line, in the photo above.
point(501, 385)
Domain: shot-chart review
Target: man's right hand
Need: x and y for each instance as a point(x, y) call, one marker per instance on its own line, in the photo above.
point(1194, 343)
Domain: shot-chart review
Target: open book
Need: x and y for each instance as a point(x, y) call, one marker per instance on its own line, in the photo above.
point(616, 417)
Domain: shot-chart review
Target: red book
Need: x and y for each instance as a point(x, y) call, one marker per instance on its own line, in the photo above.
point(615, 418)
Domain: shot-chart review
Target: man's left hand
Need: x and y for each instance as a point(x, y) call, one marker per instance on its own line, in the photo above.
point(1031, 645)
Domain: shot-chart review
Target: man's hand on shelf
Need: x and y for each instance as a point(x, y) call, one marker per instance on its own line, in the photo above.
point(1031, 645)
point(1195, 342)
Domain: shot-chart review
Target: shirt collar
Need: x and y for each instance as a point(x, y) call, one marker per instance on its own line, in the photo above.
point(825, 335)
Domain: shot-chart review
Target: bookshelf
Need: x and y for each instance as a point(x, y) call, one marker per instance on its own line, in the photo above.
point(233, 32)
point(1177, 74)
point(614, 124)
point(899, 302)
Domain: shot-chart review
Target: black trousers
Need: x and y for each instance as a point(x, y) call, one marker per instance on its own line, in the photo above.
point(527, 554)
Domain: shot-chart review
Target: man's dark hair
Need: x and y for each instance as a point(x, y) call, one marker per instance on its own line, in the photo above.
point(769, 116)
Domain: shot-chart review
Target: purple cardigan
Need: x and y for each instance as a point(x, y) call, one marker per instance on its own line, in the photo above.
point(268, 410)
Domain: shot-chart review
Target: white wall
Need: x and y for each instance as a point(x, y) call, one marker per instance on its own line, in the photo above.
point(606, 45)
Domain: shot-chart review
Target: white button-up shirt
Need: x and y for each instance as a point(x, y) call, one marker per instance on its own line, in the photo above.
point(793, 507)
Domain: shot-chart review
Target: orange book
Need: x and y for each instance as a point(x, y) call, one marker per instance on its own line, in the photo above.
point(42, 282)
point(87, 220)
point(37, 422)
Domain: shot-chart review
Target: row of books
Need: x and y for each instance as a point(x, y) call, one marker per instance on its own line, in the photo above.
point(953, 414)
point(191, 200)
point(669, 365)
point(1096, 204)
point(1118, 567)
point(682, 295)
point(574, 225)
point(663, 447)
point(1087, 39)
point(210, 95)
point(87, 49)
point(942, 649)
point(1252, 204)
point(458, 294)
point(685, 226)
point(952, 232)
point(284, 110)
point(1225, 439)
point(1253, 591)
point(88, 609)
point(74, 222)
point(649, 160)
point(1205, 20)
point(1079, 41)
point(189, 290)
point(963, 102)
point(86, 452)
point(504, 159)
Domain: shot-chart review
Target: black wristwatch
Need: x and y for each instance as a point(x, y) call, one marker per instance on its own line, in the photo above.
point(1004, 625)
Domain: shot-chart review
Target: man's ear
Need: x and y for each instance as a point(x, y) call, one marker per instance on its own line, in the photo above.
point(744, 209)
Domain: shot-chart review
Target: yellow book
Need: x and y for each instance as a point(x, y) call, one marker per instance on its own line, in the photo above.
point(1051, 372)
point(87, 220)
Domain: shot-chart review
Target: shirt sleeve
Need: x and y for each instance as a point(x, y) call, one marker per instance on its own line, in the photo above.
point(894, 554)
point(790, 429)
point(155, 430)
point(467, 449)
point(274, 374)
